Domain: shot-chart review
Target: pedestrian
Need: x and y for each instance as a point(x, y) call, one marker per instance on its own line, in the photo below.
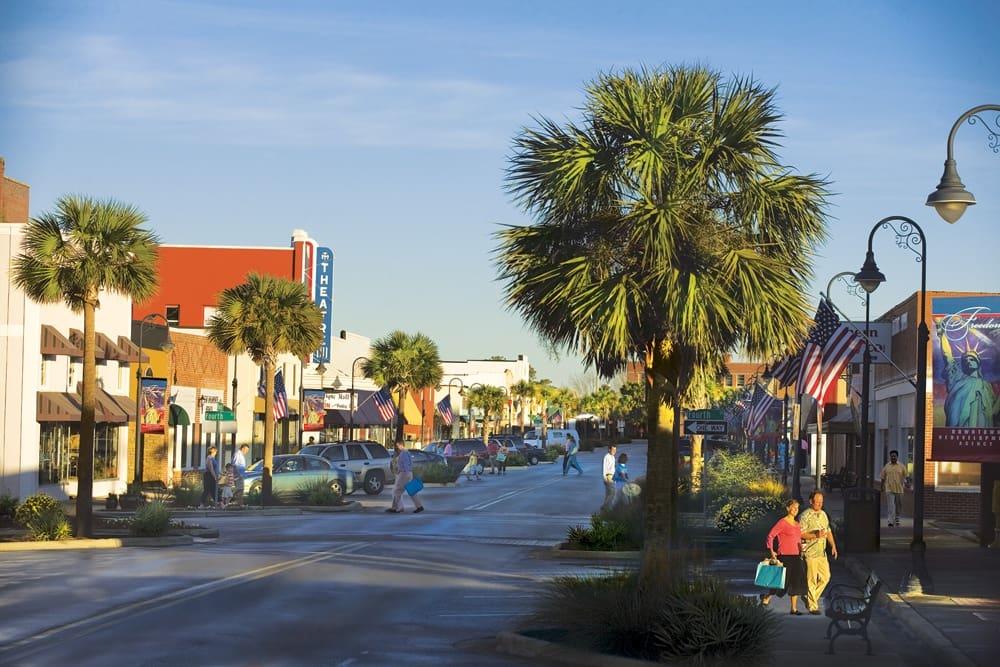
point(404, 464)
point(447, 449)
point(569, 460)
point(502, 459)
point(226, 486)
point(893, 476)
point(608, 475)
point(491, 453)
point(620, 477)
point(788, 533)
point(816, 533)
point(210, 478)
point(471, 468)
point(239, 470)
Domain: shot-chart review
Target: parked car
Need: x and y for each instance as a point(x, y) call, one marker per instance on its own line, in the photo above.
point(553, 436)
point(365, 458)
point(516, 443)
point(460, 449)
point(291, 473)
point(423, 458)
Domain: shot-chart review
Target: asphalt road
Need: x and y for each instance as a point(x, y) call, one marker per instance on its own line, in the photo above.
point(353, 588)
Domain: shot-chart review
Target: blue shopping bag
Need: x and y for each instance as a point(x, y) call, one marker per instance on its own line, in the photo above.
point(414, 486)
point(770, 576)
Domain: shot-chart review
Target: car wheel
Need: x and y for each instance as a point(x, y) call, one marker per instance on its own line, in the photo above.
point(374, 483)
point(533, 459)
point(337, 487)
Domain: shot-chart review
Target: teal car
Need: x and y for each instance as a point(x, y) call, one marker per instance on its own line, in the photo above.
point(294, 472)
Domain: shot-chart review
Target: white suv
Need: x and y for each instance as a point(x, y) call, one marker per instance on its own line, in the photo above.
point(554, 436)
point(367, 459)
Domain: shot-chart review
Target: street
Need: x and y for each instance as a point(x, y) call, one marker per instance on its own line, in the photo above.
point(348, 588)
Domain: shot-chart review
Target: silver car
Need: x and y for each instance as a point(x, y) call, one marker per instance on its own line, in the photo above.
point(367, 459)
point(294, 472)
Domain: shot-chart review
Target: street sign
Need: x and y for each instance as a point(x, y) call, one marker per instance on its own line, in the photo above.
point(703, 426)
point(219, 416)
point(713, 415)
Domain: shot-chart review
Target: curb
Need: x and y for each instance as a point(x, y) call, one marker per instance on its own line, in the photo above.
point(99, 543)
point(943, 650)
point(559, 551)
point(513, 643)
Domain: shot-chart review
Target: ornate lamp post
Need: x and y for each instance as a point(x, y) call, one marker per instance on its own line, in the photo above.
point(951, 198)
point(909, 235)
point(166, 346)
point(461, 392)
point(350, 432)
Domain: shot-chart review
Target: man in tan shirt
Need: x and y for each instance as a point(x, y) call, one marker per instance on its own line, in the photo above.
point(816, 533)
point(893, 474)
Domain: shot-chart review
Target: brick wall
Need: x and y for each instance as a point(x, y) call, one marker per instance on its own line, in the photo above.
point(13, 198)
point(958, 507)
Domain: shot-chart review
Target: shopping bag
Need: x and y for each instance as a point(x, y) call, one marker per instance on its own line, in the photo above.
point(414, 486)
point(770, 576)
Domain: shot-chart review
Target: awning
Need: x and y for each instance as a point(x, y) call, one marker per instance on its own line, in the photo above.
point(110, 349)
point(365, 413)
point(54, 343)
point(58, 406)
point(178, 416)
point(76, 337)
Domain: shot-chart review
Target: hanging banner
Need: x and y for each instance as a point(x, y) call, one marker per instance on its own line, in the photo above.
point(313, 412)
point(966, 365)
point(323, 297)
point(152, 399)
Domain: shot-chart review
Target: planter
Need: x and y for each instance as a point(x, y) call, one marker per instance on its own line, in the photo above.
point(112, 502)
point(130, 503)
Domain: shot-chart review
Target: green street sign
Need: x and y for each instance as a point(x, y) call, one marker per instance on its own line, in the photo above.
point(705, 414)
point(219, 416)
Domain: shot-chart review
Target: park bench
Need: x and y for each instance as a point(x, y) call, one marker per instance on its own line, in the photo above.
point(850, 608)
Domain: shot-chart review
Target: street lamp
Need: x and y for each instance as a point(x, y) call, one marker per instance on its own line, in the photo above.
point(166, 346)
point(461, 392)
point(353, 364)
point(951, 198)
point(909, 235)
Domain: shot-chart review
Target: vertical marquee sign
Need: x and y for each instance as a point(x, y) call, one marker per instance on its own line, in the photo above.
point(323, 297)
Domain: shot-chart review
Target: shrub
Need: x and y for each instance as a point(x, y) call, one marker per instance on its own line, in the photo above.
point(732, 474)
point(516, 459)
point(440, 473)
point(739, 513)
point(33, 507)
point(603, 535)
point(49, 524)
point(187, 495)
point(674, 614)
point(553, 452)
point(151, 520)
point(318, 492)
point(8, 505)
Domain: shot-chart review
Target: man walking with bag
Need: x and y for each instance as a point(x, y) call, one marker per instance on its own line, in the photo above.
point(815, 526)
point(404, 467)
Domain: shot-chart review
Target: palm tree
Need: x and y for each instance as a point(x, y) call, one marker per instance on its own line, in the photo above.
point(265, 317)
point(524, 392)
point(83, 248)
point(491, 400)
point(666, 231)
point(404, 363)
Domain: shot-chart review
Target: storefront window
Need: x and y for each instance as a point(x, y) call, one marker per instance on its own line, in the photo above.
point(60, 451)
point(954, 476)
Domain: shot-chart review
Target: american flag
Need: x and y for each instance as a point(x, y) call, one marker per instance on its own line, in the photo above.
point(384, 405)
point(280, 396)
point(829, 347)
point(759, 405)
point(444, 407)
point(786, 371)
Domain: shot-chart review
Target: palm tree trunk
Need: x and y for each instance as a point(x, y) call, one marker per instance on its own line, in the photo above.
point(399, 414)
point(88, 401)
point(266, 482)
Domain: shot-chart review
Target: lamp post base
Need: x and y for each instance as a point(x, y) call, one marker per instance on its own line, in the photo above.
point(918, 580)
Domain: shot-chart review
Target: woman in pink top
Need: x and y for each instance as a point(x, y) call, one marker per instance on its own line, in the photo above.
point(789, 536)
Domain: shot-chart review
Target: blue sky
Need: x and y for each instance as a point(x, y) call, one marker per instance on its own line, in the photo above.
point(383, 129)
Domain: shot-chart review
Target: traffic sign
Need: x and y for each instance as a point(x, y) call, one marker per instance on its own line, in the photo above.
point(714, 415)
point(219, 416)
point(703, 426)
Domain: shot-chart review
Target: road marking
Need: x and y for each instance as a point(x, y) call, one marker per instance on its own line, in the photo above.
point(511, 494)
point(39, 641)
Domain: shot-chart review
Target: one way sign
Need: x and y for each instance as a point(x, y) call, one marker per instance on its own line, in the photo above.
point(702, 426)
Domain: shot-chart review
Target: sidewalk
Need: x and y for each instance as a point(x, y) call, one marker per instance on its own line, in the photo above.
point(957, 616)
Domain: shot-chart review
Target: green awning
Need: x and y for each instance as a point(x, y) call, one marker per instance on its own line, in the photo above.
point(178, 416)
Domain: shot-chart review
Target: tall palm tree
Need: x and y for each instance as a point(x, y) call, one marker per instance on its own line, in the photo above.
point(73, 254)
point(491, 400)
point(404, 363)
point(524, 392)
point(666, 231)
point(265, 317)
